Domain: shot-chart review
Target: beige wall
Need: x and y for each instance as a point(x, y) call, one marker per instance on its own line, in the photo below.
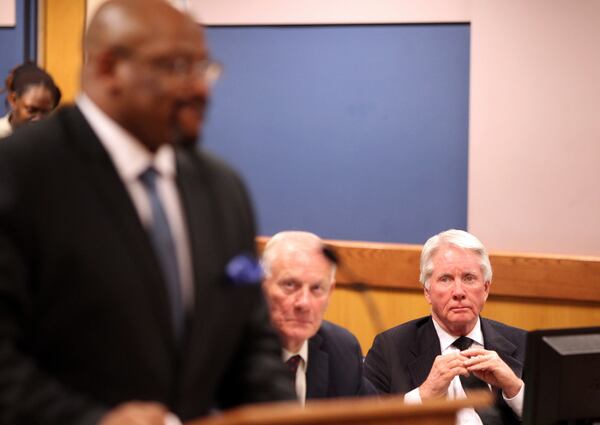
point(235, 12)
point(8, 16)
point(535, 125)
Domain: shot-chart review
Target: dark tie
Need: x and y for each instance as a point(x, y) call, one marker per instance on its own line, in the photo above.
point(470, 382)
point(164, 246)
point(489, 415)
point(292, 364)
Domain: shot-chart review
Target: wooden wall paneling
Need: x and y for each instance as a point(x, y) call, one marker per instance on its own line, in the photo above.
point(62, 23)
point(530, 291)
point(348, 309)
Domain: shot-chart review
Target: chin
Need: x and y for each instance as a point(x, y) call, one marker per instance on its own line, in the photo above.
point(186, 138)
point(300, 332)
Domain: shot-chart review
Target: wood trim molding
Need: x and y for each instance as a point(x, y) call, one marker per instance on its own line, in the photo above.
point(523, 275)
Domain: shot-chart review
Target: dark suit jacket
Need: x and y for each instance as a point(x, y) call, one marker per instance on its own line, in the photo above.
point(335, 365)
point(401, 358)
point(84, 321)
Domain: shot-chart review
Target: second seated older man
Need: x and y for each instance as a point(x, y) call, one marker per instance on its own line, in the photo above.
point(454, 350)
point(325, 360)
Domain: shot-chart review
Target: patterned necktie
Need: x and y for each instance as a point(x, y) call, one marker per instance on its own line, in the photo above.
point(292, 364)
point(164, 247)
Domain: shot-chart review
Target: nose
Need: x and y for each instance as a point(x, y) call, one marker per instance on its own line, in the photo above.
point(458, 292)
point(301, 301)
point(37, 116)
point(200, 86)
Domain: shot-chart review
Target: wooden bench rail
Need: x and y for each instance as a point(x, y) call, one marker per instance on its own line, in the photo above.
point(523, 275)
point(369, 410)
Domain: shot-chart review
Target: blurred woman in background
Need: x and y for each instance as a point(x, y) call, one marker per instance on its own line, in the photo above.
point(31, 96)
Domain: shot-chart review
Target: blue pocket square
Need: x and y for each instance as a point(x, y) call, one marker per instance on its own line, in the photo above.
point(244, 269)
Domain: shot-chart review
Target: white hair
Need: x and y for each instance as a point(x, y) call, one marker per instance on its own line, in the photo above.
point(291, 240)
point(460, 239)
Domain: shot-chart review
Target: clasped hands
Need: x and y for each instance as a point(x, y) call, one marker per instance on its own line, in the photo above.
point(484, 364)
point(140, 413)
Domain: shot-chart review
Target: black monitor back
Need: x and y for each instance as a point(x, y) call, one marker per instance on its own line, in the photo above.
point(562, 377)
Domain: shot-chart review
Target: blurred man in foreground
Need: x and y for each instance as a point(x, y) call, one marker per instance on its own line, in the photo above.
point(324, 359)
point(454, 350)
point(116, 304)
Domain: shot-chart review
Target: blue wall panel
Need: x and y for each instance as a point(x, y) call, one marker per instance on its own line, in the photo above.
point(353, 132)
point(17, 44)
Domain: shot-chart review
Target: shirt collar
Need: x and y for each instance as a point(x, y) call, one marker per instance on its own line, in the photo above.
point(303, 353)
point(447, 339)
point(130, 157)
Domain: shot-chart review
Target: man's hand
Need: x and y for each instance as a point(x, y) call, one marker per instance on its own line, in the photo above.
point(444, 369)
point(489, 367)
point(136, 413)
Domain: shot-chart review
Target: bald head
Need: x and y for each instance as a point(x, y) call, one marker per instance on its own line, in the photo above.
point(127, 23)
point(142, 58)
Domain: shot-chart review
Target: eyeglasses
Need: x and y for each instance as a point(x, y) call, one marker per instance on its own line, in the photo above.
point(183, 68)
point(179, 68)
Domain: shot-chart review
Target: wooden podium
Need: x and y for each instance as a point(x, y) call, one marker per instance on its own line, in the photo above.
point(364, 411)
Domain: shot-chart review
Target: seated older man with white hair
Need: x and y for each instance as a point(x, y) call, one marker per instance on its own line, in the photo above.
point(453, 350)
point(325, 360)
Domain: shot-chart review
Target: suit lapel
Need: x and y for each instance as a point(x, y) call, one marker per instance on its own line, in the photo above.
point(317, 373)
point(120, 210)
point(495, 341)
point(201, 219)
point(425, 348)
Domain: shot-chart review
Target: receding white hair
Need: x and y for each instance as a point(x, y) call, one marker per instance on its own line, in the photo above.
point(460, 239)
point(291, 240)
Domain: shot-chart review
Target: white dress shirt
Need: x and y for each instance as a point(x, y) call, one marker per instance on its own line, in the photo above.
point(301, 371)
point(131, 159)
point(5, 127)
point(455, 389)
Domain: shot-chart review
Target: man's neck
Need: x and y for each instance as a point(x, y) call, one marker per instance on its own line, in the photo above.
point(458, 330)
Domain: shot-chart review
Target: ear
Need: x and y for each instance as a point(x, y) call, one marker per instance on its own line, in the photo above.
point(105, 65)
point(426, 293)
point(486, 288)
point(12, 100)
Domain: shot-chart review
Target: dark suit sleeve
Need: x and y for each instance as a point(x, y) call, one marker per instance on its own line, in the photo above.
point(25, 389)
point(366, 387)
point(256, 373)
point(377, 369)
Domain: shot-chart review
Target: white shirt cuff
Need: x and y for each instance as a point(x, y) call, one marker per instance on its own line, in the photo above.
point(516, 403)
point(413, 397)
point(171, 419)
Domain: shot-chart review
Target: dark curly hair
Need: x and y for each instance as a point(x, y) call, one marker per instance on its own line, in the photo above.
point(29, 74)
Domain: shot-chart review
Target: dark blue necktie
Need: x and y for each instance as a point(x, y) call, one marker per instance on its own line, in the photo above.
point(164, 246)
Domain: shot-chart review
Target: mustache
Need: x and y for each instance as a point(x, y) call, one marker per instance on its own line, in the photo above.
point(199, 103)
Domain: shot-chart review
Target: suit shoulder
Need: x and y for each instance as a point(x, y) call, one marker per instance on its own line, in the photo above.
point(510, 332)
point(214, 172)
point(336, 340)
point(405, 330)
point(331, 330)
point(35, 140)
point(215, 165)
